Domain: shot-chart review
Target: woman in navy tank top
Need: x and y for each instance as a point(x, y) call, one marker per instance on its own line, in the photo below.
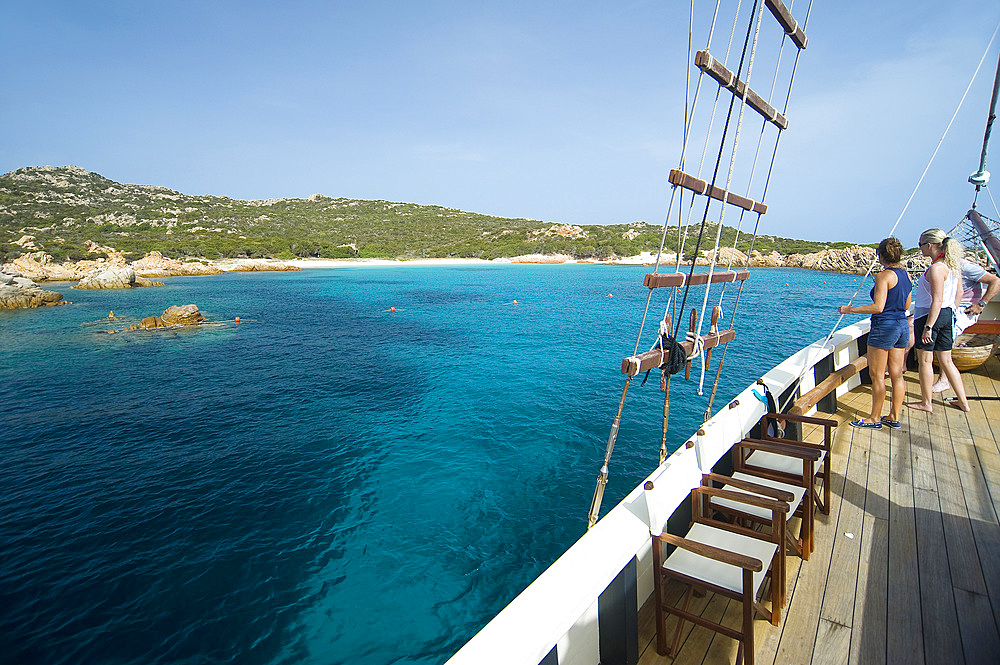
point(889, 336)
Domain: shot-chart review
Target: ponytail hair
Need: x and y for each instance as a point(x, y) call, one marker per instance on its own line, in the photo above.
point(950, 248)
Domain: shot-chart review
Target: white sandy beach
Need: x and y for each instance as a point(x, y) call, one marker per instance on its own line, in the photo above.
point(529, 259)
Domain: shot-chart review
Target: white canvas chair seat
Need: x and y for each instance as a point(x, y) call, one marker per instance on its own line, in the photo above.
point(779, 463)
point(715, 572)
point(757, 511)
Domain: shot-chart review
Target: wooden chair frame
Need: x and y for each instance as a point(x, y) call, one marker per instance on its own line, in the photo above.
point(701, 514)
point(811, 455)
point(804, 544)
point(799, 545)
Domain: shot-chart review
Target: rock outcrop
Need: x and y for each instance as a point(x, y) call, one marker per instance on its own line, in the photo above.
point(114, 277)
point(40, 266)
point(727, 257)
point(182, 315)
point(17, 292)
point(851, 260)
point(155, 264)
point(175, 315)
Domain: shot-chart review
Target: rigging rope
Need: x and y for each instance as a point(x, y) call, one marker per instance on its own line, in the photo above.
point(718, 160)
point(767, 182)
point(671, 352)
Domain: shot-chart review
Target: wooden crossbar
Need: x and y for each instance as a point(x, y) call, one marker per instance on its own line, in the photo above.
point(698, 186)
point(652, 359)
point(706, 63)
point(789, 24)
point(656, 279)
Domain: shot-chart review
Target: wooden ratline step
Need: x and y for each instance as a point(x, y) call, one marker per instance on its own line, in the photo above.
point(790, 25)
point(652, 359)
point(698, 186)
point(655, 279)
point(706, 63)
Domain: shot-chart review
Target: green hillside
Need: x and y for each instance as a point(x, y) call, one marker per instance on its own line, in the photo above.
point(64, 207)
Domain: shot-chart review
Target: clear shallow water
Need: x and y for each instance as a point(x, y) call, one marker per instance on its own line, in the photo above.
point(328, 481)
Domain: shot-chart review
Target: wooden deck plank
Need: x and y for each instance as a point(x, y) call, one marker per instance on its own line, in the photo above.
point(979, 636)
point(937, 598)
point(868, 643)
point(979, 502)
point(903, 642)
point(768, 638)
point(835, 639)
point(698, 639)
point(963, 558)
point(838, 601)
point(798, 636)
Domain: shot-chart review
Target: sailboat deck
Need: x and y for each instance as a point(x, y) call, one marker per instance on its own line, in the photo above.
point(907, 564)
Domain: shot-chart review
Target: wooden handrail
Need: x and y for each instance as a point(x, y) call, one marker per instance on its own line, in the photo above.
point(827, 386)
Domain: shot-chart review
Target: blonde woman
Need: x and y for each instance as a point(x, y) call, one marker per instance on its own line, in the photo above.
point(933, 326)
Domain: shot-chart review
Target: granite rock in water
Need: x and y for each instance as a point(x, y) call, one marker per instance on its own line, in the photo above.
point(18, 292)
point(175, 315)
point(183, 315)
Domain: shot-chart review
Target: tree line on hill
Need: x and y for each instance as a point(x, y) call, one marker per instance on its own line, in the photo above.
point(57, 210)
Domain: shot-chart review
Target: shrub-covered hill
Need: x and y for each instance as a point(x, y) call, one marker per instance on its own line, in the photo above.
point(58, 209)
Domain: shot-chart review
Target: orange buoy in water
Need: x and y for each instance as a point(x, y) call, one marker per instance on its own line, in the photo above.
point(786, 283)
point(514, 303)
point(610, 296)
point(237, 319)
point(392, 309)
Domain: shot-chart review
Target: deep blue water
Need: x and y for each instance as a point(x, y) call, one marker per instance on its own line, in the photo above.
point(329, 481)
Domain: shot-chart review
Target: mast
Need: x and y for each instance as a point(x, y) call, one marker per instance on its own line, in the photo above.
point(982, 176)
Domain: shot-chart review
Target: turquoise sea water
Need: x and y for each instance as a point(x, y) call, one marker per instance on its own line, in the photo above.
point(329, 481)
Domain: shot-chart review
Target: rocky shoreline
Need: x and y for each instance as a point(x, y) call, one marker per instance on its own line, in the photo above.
point(18, 278)
point(19, 288)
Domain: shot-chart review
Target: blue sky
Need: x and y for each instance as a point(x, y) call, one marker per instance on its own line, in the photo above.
point(561, 111)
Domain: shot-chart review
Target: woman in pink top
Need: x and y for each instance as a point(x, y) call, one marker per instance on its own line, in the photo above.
point(936, 296)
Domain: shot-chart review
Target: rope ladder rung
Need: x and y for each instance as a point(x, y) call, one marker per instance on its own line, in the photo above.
point(654, 358)
point(791, 27)
point(655, 280)
point(706, 63)
point(698, 186)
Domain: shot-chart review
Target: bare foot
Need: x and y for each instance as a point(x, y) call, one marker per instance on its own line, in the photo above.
point(919, 406)
point(963, 407)
point(940, 386)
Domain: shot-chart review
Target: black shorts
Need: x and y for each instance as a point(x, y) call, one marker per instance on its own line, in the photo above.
point(942, 334)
